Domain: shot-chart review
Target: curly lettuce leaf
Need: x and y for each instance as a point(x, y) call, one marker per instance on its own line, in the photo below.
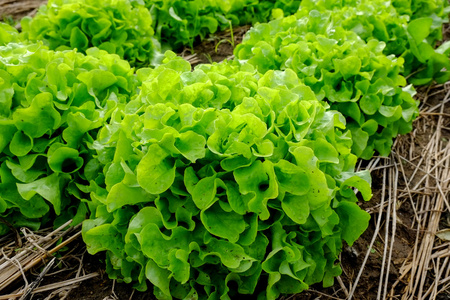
point(117, 27)
point(245, 188)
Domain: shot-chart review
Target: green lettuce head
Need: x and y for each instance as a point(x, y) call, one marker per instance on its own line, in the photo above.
point(52, 104)
point(353, 76)
point(112, 25)
point(8, 34)
point(410, 29)
point(180, 23)
point(223, 176)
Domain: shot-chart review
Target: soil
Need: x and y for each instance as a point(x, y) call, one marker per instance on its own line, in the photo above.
point(103, 288)
point(218, 48)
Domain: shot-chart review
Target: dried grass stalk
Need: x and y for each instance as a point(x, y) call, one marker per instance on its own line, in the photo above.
point(418, 173)
point(428, 270)
point(37, 248)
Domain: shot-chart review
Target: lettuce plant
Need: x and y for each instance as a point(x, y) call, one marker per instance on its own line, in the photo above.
point(412, 36)
point(224, 176)
point(8, 34)
point(423, 63)
point(415, 9)
point(52, 104)
point(355, 77)
point(126, 27)
point(111, 25)
point(179, 23)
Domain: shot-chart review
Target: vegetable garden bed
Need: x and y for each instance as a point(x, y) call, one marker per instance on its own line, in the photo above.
point(402, 255)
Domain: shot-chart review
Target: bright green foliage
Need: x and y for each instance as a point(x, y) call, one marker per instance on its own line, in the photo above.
point(51, 106)
point(180, 23)
point(426, 19)
point(211, 182)
point(8, 34)
point(112, 25)
point(223, 174)
point(126, 27)
point(410, 35)
point(437, 9)
point(355, 77)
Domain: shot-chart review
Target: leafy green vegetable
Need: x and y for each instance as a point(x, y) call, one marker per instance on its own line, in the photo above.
point(126, 27)
point(355, 77)
point(8, 34)
point(208, 178)
point(410, 29)
point(240, 172)
point(53, 104)
point(180, 23)
point(112, 25)
point(415, 9)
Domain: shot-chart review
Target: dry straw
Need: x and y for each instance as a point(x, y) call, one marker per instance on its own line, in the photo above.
point(36, 248)
point(423, 167)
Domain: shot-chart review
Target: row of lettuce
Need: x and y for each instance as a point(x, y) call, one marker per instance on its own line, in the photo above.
point(231, 178)
point(138, 30)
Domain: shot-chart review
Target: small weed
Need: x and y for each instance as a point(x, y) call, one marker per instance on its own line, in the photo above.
point(231, 40)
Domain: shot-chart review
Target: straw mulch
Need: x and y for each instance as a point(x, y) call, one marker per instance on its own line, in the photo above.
point(409, 249)
point(21, 256)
